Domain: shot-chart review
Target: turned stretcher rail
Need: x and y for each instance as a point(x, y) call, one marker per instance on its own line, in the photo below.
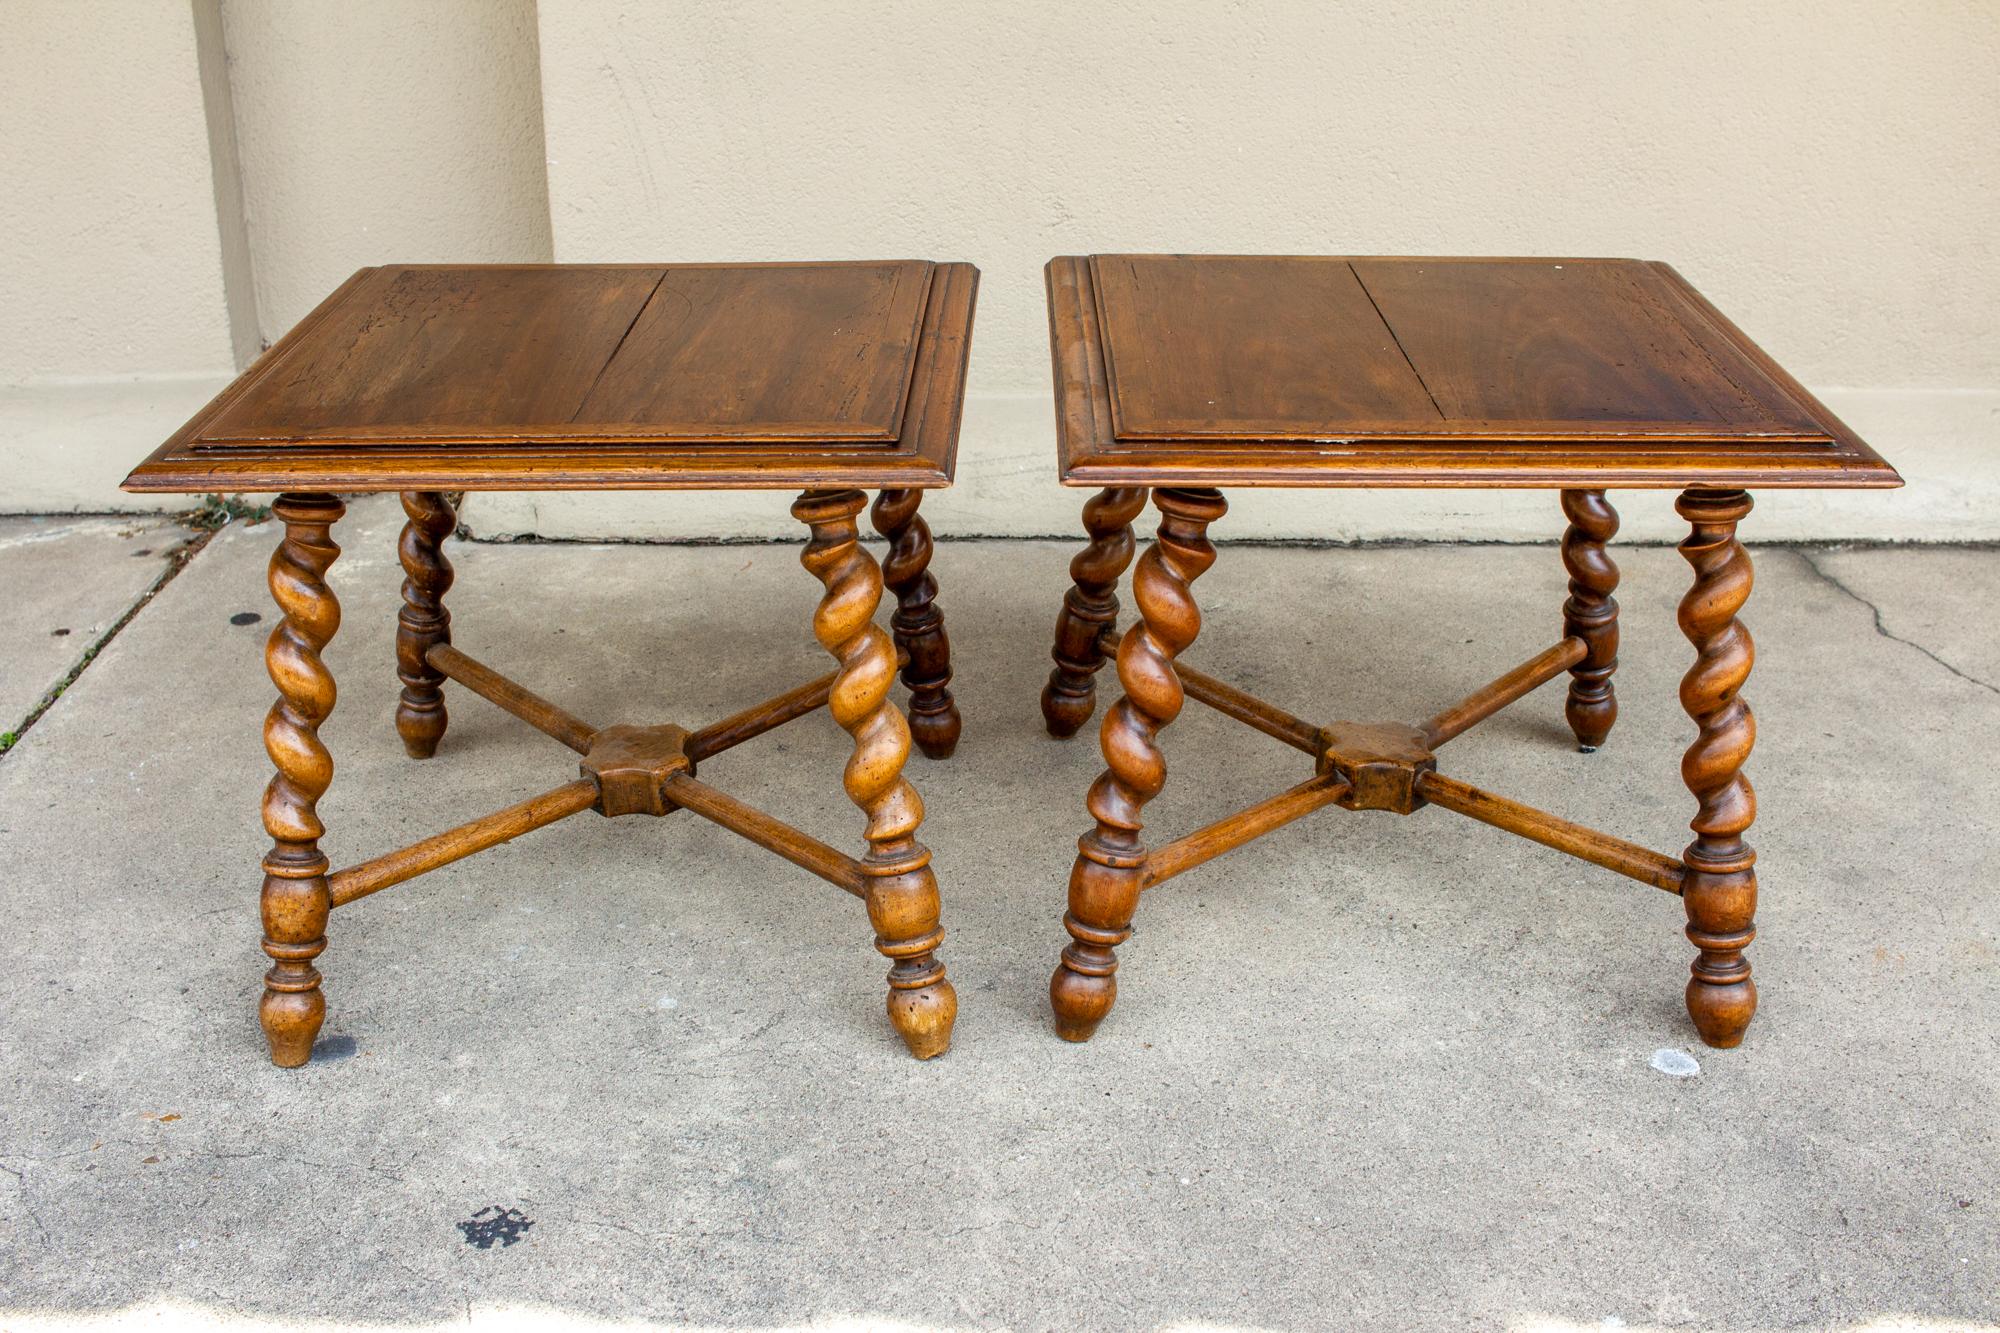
point(1273, 721)
point(1629, 859)
point(1483, 703)
point(1226, 699)
point(456, 844)
point(1226, 834)
point(523, 703)
point(767, 716)
point(809, 853)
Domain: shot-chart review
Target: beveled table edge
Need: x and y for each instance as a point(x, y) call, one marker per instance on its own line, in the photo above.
point(1090, 455)
point(933, 413)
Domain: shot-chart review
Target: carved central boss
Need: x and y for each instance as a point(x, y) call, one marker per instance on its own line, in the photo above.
point(632, 765)
point(1379, 761)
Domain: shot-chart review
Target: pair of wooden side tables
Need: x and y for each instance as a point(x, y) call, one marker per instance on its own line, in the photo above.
point(1174, 375)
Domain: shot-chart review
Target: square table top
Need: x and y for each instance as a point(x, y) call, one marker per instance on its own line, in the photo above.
point(1212, 370)
point(601, 376)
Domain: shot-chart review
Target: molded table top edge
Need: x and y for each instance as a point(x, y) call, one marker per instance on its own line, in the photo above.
point(1564, 455)
point(923, 458)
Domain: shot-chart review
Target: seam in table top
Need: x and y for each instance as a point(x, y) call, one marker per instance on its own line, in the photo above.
point(1362, 283)
point(638, 314)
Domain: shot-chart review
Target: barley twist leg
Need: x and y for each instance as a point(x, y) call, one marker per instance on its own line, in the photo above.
point(1090, 607)
point(1719, 890)
point(1104, 884)
point(917, 623)
point(902, 892)
point(423, 621)
point(1591, 614)
point(295, 898)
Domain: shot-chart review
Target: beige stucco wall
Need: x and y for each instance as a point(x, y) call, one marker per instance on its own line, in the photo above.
point(107, 225)
point(112, 314)
point(373, 131)
point(180, 172)
point(1823, 171)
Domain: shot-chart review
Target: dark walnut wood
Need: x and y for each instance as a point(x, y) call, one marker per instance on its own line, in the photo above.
point(1571, 346)
point(423, 623)
point(430, 380)
point(834, 346)
point(902, 893)
point(1591, 614)
point(1182, 373)
point(918, 624)
point(1576, 373)
point(545, 377)
point(625, 769)
point(1105, 883)
point(1720, 890)
point(296, 898)
point(1090, 608)
point(392, 354)
point(1268, 379)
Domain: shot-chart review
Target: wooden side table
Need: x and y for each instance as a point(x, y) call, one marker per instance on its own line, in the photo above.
point(1184, 374)
point(822, 378)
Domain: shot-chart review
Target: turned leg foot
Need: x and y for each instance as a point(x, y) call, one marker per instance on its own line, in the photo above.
point(1591, 614)
point(918, 624)
point(1085, 984)
point(1104, 884)
point(295, 899)
point(903, 908)
point(1719, 889)
point(423, 621)
point(1090, 608)
point(902, 893)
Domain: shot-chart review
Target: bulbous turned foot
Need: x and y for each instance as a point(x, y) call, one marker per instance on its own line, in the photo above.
point(420, 728)
point(1592, 727)
point(1591, 719)
point(1722, 1014)
point(291, 1022)
point(923, 1017)
point(1065, 710)
point(1080, 1002)
point(935, 732)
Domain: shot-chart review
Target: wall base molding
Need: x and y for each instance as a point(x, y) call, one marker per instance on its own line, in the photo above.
point(65, 446)
point(1945, 442)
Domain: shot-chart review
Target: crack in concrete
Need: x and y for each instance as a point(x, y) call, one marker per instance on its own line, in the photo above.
point(1881, 627)
point(21, 1184)
point(216, 1155)
point(177, 560)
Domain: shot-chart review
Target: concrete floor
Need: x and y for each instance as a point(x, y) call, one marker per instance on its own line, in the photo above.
point(1367, 1072)
point(65, 583)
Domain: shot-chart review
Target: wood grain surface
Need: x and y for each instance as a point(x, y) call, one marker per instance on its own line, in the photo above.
point(1248, 348)
point(1209, 370)
point(545, 377)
